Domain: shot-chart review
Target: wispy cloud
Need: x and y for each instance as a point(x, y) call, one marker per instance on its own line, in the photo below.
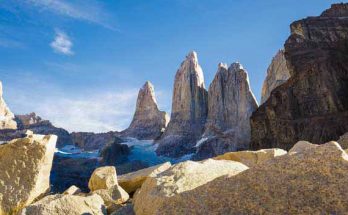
point(9, 43)
point(62, 43)
point(85, 10)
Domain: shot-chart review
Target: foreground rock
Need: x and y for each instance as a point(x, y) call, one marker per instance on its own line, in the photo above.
point(103, 178)
point(189, 110)
point(25, 166)
point(67, 204)
point(230, 104)
point(313, 104)
point(89, 141)
point(148, 121)
point(113, 197)
point(308, 182)
point(157, 191)
point(133, 181)
point(252, 158)
point(277, 74)
point(6, 116)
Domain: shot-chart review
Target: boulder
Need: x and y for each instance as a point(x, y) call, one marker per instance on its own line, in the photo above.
point(25, 166)
point(113, 197)
point(189, 110)
point(6, 116)
point(252, 158)
point(133, 181)
point(67, 204)
point(114, 153)
point(148, 121)
point(73, 190)
point(180, 178)
point(301, 146)
point(312, 104)
point(343, 141)
point(308, 182)
point(277, 74)
point(230, 104)
point(103, 178)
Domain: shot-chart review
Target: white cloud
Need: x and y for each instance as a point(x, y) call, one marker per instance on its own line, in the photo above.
point(85, 10)
point(62, 43)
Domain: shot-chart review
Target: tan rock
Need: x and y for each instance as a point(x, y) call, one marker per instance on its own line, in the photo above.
point(183, 177)
point(6, 116)
point(113, 197)
point(308, 182)
point(189, 110)
point(148, 121)
point(103, 178)
point(343, 141)
point(133, 181)
point(67, 204)
point(25, 166)
point(301, 146)
point(277, 74)
point(73, 190)
point(252, 158)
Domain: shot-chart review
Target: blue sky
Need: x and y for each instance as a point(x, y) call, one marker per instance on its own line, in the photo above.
point(80, 63)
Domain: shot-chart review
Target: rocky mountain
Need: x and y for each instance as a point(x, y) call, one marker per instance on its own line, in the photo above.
point(230, 105)
point(189, 110)
point(6, 116)
point(89, 141)
point(313, 104)
point(148, 121)
point(277, 74)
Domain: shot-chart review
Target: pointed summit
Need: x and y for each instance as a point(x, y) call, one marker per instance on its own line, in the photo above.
point(230, 105)
point(189, 110)
point(6, 116)
point(148, 121)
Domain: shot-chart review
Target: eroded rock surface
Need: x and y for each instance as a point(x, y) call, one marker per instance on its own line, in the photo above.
point(230, 105)
point(25, 166)
point(183, 177)
point(277, 74)
point(148, 121)
point(6, 116)
point(189, 110)
point(307, 182)
point(103, 178)
point(313, 104)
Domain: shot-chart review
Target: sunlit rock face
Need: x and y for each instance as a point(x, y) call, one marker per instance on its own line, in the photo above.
point(189, 110)
point(230, 104)
point(148, 121)
point(6, 116)
point(313, 104)
point(277, 74)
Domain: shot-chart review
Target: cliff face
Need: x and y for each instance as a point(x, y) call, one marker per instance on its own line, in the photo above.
point(148, 121)
point(189, 110)
point(230, 104)
point(313, 104)
point(6, 116)
point(277, 74)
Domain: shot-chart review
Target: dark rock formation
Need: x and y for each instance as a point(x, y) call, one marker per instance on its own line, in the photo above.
point(114, 153)
point(148, 122)
point(230, 105)
point(89, 141)
point(313, 104)
point(189, 110)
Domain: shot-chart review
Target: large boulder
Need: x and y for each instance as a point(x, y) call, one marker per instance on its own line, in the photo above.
point(189, 110)
point(103, 178)
point(312, 104)
point(181, 178)
point(230, 105)
point(277, 74)
point(114, 153)
point(6, 116)
point(148, 121)
point(133, 181)
point(25, 166)
point(113, 197)
point(67, 204)
point(252, 158)
point(308, 182)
